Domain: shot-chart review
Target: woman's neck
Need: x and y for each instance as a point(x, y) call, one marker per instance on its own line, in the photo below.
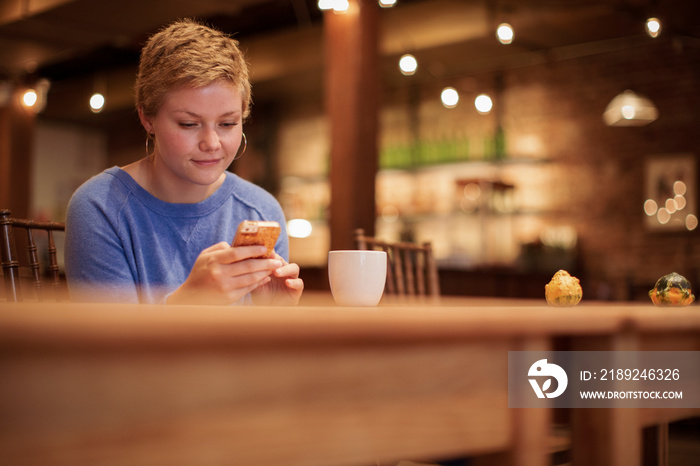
point(146, 173)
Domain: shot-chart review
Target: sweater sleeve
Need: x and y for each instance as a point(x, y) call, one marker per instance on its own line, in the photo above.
point(97, 267)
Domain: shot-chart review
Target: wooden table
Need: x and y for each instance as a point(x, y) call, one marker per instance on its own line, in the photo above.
point(315, 384)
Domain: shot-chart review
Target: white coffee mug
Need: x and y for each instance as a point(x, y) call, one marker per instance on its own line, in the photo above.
point(357, 277)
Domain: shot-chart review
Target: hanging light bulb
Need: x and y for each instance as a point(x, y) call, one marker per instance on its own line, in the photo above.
point(483, 104)
point(338, 6)
point(505, 33)
point(408, 64)
point(341, 6)
point(449, 97)
point(35, 98)
point(97, 102)
point(630, 109)
point(29, 98)
point(653, 27)
point(387, 3)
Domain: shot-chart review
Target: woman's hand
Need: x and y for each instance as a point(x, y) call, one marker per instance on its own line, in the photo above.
point(223, 274)
point(285, 286)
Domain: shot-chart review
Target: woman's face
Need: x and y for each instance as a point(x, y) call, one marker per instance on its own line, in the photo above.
point(197, 134)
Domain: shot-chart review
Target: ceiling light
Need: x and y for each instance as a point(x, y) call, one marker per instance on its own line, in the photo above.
point(505, 34)
point(408, 64)
point(338, 6)
point(97, 102)
point(387, 3)
point(449, 97)
point(36, 98)
point(29, 98)
point(483, 104)
point(341, 6)
point(653, 27)
point(630, 109)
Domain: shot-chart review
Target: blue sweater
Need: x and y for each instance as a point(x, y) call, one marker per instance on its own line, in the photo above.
point(124, 245)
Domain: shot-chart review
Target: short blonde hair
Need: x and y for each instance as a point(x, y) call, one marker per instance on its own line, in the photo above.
point(187, 53)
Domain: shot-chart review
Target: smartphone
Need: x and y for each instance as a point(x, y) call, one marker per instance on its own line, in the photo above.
point(258, 232)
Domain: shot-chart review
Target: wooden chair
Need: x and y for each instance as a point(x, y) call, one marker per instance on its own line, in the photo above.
point(11, 261)
point(411, 271)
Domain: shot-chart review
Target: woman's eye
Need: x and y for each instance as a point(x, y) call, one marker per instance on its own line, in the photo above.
point(229, 124)
point(188, 125)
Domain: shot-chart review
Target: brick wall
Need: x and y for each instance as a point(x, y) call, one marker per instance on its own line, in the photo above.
point(602, 171)
point(594, 176)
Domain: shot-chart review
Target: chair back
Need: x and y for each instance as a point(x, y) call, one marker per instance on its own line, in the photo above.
point(411, 271)
point(12, 261)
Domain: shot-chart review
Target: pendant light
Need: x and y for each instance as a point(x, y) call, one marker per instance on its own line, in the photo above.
point(653, 27)
point(630, 109)
point(504, 33)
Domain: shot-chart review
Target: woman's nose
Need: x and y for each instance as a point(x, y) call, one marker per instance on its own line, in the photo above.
point(210, 141)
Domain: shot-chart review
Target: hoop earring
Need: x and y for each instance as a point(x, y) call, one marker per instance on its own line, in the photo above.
point(149, 155)
point(242, 147)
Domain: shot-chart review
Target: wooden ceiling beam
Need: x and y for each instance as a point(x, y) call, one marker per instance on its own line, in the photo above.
point(17, 10)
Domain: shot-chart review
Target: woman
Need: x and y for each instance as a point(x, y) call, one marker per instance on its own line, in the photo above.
point(159, 230)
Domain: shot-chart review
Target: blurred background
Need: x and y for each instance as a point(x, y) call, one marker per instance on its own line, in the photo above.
point(515, 156)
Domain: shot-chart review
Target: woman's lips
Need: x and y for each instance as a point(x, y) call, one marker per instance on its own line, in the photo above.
point(206, 163)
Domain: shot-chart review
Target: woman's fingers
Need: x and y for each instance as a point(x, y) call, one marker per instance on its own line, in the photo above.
point(245, 280)
point(237, 292)
point(287, 270)
point(296, 284)
point(224, 274)
point(229, 254)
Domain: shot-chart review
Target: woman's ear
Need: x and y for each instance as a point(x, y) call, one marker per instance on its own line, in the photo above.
point(145, 121)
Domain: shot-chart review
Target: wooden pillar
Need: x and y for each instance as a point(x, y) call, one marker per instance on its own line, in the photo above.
point(16, 136)
point(351, 90)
